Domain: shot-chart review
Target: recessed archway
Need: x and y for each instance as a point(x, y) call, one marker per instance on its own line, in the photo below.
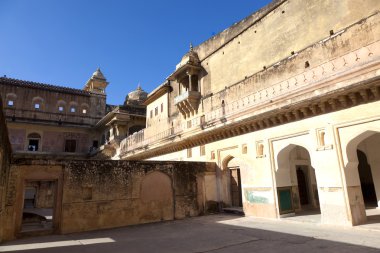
point(156, 194)
point(236, 172)
point(232, 166)
point(363, 174)
point(297, 189)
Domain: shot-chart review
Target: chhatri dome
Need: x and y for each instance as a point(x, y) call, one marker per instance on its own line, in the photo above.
point(97, 82)
point(98, 74)
point(136, 97)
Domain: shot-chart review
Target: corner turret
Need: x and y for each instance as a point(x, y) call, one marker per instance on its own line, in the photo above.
point(97, 83)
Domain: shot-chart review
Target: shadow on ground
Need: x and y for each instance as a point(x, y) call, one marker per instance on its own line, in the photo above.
point(213, 233)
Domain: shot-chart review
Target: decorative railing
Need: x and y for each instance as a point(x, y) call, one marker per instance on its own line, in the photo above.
point(303, 81)
point(139, 139)
point(39, 115)
point(187, 95)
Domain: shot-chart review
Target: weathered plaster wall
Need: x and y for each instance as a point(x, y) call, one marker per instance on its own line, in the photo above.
point(160, 120)
point(104, 194)
point(53, 137)
point(357, 36)
point(134, 192)
point(5, 156)
point(264, 40)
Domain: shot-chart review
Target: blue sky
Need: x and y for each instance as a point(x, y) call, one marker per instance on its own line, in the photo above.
point(63, 42)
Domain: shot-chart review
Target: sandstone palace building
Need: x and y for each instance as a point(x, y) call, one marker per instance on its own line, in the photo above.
point(53, 120)
point(279, 115)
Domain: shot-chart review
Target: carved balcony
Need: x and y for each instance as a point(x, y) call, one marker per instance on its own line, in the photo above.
point(188, 102)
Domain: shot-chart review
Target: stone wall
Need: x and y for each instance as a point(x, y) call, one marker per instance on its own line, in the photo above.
point(94, 194)
point(5, 156)
point(53, 138)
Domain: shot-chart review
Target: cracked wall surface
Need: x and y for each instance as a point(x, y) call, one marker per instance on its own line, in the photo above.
point(96, 194)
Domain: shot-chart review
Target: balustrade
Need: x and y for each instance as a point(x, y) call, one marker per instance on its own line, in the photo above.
point(306, 80)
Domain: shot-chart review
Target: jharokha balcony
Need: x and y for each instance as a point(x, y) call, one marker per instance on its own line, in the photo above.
point(344, 80)
point(188, 102)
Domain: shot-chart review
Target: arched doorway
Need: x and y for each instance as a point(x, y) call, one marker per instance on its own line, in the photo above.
point(233, 175)
point(297, 189)
point(362, 173)
point(235, 187)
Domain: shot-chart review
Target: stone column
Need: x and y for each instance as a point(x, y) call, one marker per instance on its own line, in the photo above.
point(116, 134)
point(354, 192)
point(190, 81)
point(198, 83)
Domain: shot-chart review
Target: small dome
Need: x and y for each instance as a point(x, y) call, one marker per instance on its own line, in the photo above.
point(98, 74)
point(190, 57)
point(137, 96)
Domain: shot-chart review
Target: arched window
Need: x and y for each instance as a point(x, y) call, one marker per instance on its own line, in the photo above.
point(34, 141)
point(73, 107)
point(321, 138)
point(37, 103)
point(10, 100)
point(84, 108)
point(61, 106)
point(259, 149)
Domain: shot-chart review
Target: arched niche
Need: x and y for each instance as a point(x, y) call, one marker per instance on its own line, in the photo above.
point(156, 196)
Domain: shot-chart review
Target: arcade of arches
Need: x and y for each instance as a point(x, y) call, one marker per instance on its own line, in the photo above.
point(308, 181)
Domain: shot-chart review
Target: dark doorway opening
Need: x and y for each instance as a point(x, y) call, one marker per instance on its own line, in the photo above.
point(302, 187)
point(235, 187)
point(33, 145)
point(366, 180)
point(70, 146)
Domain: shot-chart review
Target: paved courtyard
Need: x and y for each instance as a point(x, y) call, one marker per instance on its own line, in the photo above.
point(212, 233)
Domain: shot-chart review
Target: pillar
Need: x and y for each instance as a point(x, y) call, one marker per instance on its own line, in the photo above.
point(190, 82)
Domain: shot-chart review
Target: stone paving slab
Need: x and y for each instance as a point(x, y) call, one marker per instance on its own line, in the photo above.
point(212, 233)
